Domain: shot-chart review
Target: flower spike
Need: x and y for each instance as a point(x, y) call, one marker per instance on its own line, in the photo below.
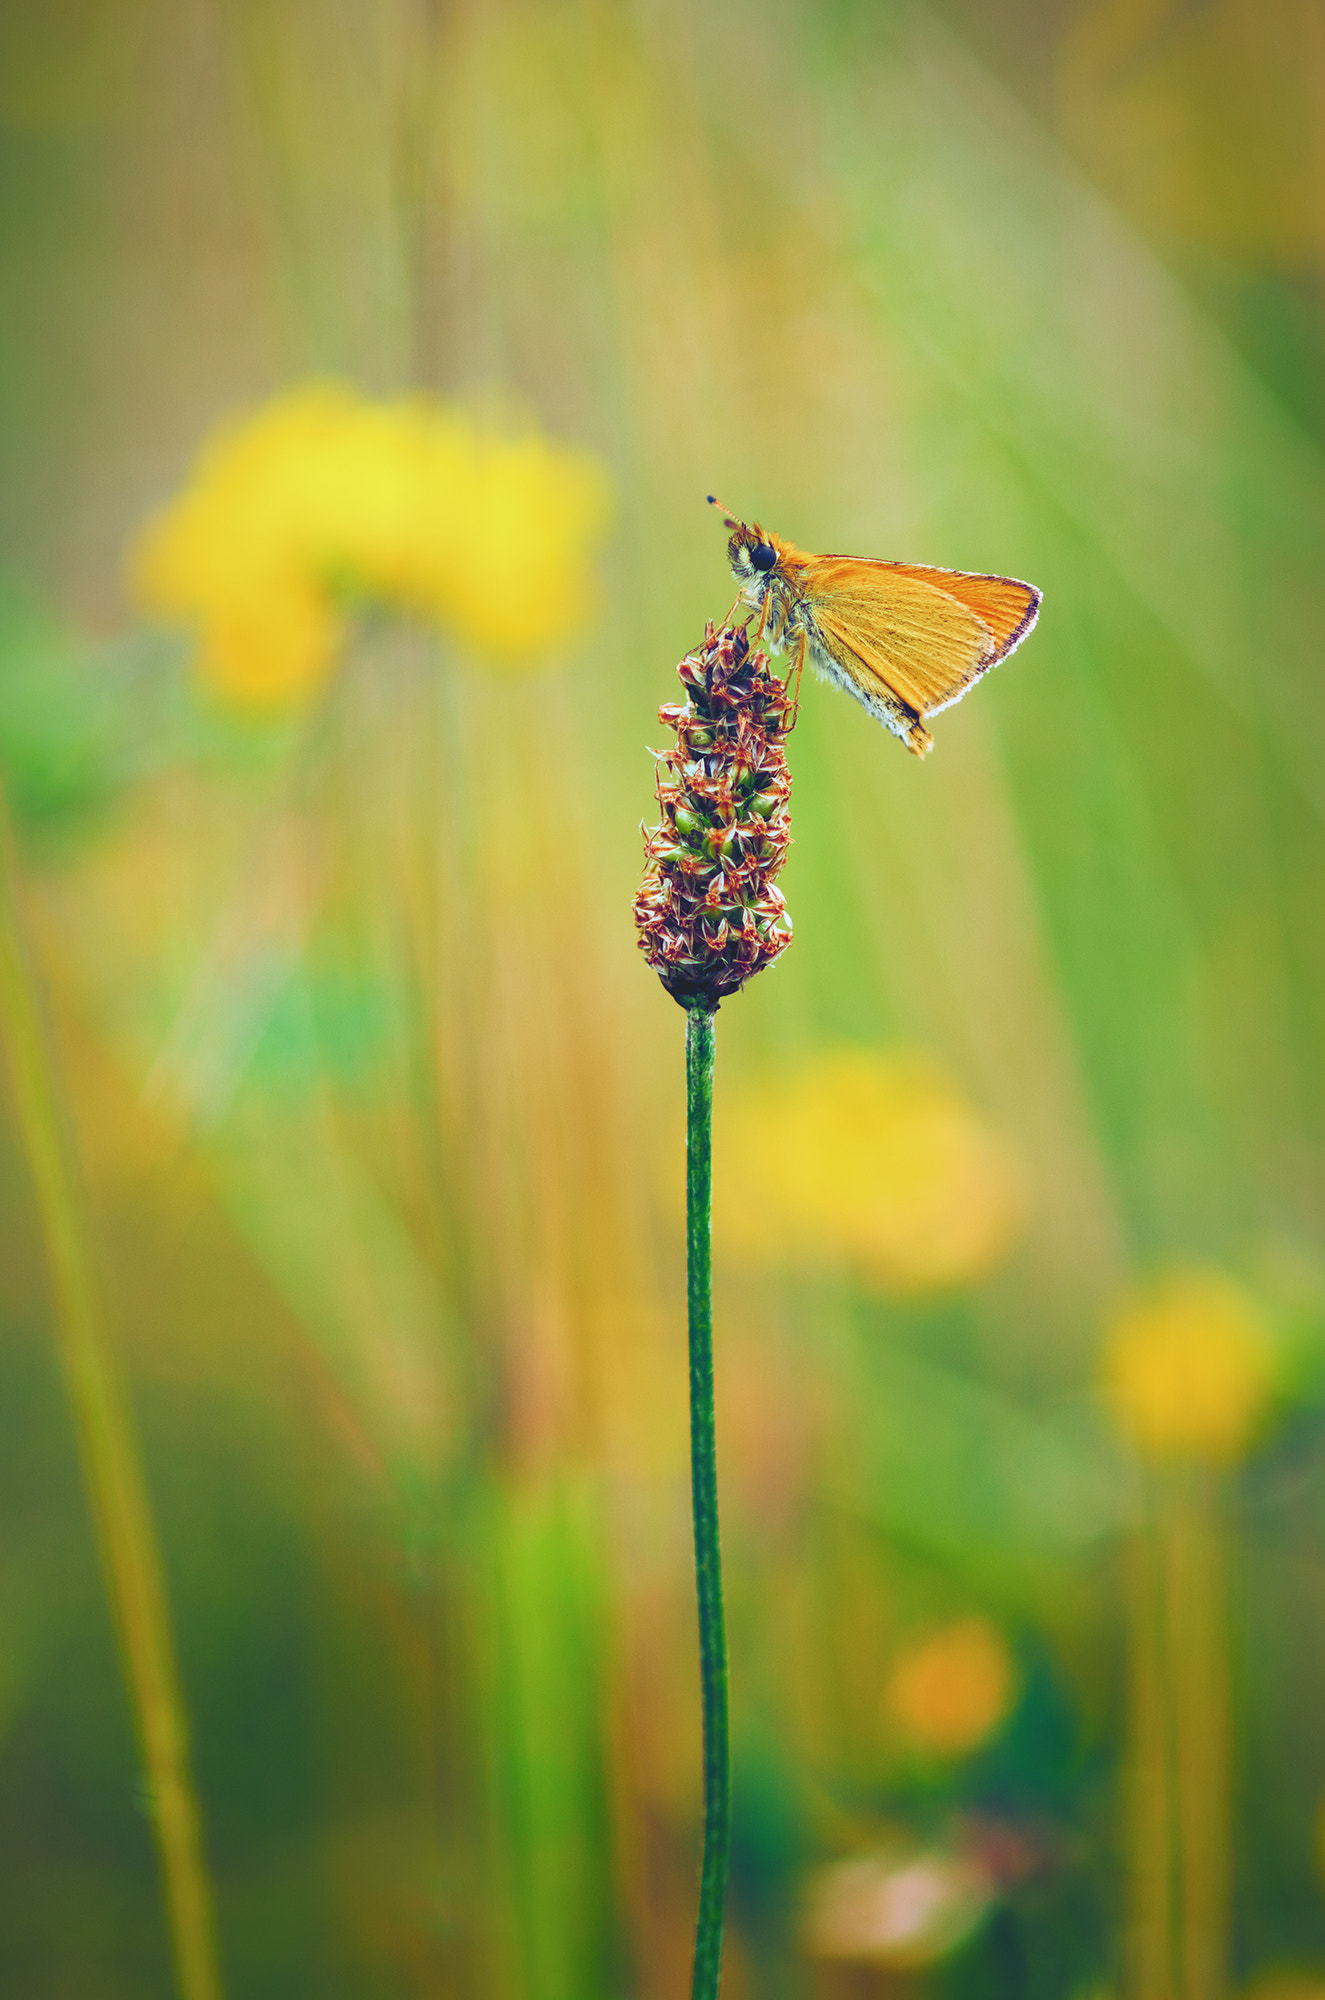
point(709, 913)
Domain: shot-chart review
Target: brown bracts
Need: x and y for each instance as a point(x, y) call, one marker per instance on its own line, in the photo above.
point(709, 913)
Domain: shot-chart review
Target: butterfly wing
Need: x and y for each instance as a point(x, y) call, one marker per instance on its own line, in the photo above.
point(908, 636)
point(922, 643)
point(1007, 606)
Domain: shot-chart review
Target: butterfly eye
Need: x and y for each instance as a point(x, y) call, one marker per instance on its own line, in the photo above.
point(763, 555)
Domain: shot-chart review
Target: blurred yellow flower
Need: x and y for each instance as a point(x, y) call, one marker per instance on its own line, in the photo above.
point(950, 1692)
point(324, 497)
point(870, 1157)
point(1188, 1369)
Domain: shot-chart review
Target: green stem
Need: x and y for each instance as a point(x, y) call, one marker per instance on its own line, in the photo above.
point(704, 1491)
point(116, 1488)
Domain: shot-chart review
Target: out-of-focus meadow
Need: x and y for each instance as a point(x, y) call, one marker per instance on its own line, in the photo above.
point(364, 367)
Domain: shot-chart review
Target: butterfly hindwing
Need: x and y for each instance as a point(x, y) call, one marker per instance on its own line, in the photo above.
point(1006, 605)
point(921, 641)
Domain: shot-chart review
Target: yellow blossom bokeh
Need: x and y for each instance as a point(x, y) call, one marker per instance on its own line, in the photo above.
point(950, 1692)
point(1187, 1368)
point(873, 1158)
point(325, 497)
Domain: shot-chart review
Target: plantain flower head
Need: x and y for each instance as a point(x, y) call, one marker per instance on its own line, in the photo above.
point(1188, 1368)
point(709, 914)
point(324, 499)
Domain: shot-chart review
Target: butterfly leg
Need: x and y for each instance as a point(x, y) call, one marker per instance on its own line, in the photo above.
point(794, 673)
point(780, 622)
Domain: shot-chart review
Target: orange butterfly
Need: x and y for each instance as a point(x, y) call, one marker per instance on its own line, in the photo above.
point(905, 639)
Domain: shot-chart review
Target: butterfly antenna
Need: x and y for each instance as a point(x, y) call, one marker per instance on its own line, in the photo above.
point(732, 520)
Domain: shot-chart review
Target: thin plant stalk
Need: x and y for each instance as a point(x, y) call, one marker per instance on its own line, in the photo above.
point(130, 1559)
point(704, 1491)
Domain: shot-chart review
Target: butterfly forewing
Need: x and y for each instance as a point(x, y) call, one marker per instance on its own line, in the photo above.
point(1008, 607)
point(922, 642)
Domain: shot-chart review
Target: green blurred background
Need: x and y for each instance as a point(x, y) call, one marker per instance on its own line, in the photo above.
point(377, 1111)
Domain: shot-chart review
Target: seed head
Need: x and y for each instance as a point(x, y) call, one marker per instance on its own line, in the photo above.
point(709, 913)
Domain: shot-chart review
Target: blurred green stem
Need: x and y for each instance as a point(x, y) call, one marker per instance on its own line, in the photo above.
point(704, 1491)
point(1198, 1648)
point(1150, 1874)
point(1180, 1777)
point(106, 1443)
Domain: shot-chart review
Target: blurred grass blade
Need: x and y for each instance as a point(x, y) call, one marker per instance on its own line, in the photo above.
point(540, 1589)
point(110, 1459)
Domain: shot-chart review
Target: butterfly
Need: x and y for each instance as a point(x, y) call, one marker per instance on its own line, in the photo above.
point(905, 639)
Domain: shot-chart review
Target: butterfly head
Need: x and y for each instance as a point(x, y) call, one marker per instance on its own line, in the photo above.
point(750, 551)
